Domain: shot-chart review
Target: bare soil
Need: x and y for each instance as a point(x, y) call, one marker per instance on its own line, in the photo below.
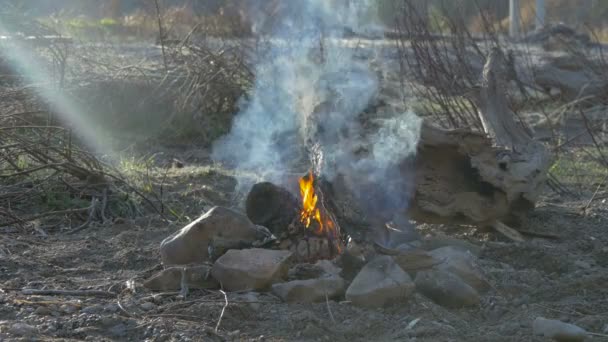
point(563, 278)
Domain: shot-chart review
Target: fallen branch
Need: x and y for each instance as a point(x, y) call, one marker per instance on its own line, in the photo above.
point(73, 293)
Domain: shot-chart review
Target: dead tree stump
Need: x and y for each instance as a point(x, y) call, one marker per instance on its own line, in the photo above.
point(484, 179)
point(463, 177)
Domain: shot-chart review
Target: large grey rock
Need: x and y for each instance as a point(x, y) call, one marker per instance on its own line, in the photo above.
point(446, 289)
point(170, 279)
point(309, 290)
point(379, 283)
point(216, 231)
point(463, 264)
point(251, 269)
point(557, 330)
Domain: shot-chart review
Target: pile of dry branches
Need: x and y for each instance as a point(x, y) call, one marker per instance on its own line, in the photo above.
point(50, 182)
point(446, 66)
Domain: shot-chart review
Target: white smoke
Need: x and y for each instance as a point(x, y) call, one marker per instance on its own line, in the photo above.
point(316, 88)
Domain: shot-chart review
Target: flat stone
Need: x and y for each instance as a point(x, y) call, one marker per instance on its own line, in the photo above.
point(441, 240)
point(22, 329)
point(558, 330)
point(415, 260)
point(218, 229)
point(170, 279)
point(463, 264)
point(446, 289)
point(251, 269)
point(379, 283)
point(310, 290)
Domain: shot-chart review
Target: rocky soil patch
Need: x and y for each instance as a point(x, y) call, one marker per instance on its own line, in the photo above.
point(507, 286)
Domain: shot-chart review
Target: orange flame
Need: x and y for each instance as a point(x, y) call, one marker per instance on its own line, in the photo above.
point(310, 212)
point(309, 202)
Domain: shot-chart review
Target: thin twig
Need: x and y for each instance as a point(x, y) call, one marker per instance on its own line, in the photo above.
point(331, 315)
point(597, 334)
point(219, 321)
point(599, 186)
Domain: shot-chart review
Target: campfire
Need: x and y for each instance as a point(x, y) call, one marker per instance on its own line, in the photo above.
point(303, 225)
point(322, 224)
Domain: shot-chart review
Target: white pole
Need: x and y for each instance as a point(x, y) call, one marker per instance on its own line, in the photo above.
point(514, 19)
point(540, 14)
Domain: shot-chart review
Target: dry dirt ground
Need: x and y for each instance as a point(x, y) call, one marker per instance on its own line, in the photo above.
point(563, 278)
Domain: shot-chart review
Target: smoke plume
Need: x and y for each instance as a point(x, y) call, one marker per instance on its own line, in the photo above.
point(312, 87)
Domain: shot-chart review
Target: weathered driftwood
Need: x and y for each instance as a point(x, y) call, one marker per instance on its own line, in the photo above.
point(482, 178)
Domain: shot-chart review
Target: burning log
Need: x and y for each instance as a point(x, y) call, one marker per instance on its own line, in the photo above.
point(272, 207)
point(304, 226)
